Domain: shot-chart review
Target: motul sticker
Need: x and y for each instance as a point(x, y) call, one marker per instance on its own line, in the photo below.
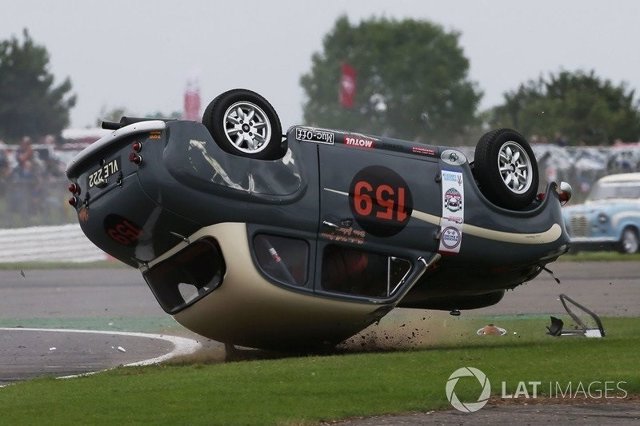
point(359, 141)
point(452, 220)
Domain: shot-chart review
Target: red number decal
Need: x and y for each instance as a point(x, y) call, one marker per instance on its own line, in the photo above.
point(363, 202)
point(402, 208)
point(124, 232)
point(385, 202)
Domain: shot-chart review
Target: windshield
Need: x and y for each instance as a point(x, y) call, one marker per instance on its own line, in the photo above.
point(187, 276)
point(609, 190)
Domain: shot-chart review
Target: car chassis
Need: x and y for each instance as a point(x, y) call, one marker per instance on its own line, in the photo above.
point(301, 241)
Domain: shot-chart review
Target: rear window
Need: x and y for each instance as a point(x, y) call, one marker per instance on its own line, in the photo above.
point(187, 276)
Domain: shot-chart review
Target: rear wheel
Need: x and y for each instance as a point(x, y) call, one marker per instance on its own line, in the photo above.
point(506, 169)
point(244, 123)
point(629, 241)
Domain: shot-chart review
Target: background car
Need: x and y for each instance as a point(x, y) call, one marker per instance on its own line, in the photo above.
point(609, 218)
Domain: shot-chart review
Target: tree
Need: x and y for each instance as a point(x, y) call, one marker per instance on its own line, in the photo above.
point(577, 105)
point(411, 80)
point(30, 103)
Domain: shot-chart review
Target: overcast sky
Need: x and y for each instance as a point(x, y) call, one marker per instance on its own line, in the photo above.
point(139, 54)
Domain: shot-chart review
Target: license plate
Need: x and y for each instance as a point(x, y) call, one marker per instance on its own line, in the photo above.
point(99, 178)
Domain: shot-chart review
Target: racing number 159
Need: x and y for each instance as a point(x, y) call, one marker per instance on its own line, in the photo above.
point(384, 201)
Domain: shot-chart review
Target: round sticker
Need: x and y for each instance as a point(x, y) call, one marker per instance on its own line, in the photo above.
point(380, 201)
point(453, 200)
point(450, 237)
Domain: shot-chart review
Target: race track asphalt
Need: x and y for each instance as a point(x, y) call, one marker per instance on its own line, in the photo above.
point(73, 297)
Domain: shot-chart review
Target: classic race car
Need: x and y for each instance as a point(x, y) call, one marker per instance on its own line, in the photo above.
point(296, 241)
point(610, 216)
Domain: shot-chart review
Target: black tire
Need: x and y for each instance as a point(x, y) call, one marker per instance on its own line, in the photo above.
point(628, 241)
point(244, 123)
point(506, 169)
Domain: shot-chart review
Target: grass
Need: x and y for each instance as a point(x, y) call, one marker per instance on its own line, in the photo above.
point(147, 324)
point(354, 383)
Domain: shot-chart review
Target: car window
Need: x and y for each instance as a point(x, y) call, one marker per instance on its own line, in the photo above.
point(282, 259)
point(361, 273)
point(608, 190)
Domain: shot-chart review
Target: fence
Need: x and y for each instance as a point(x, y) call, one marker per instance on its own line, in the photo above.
point(64, 243)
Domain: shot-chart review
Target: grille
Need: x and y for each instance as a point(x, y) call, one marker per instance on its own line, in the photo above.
point(579, 226)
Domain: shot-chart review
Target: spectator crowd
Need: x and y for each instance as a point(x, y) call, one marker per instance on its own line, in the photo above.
point(30, 177)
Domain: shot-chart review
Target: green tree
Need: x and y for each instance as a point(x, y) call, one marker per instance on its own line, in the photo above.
point(30, 103)
point(577, 105)
point(411, 81)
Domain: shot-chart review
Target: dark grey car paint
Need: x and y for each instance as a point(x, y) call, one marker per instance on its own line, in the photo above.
point(186, 181)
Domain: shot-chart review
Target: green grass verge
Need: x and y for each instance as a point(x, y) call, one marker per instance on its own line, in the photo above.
point(146, 324)
point(310, 389)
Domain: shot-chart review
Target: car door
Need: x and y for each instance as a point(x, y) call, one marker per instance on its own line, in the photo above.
point(368, 238)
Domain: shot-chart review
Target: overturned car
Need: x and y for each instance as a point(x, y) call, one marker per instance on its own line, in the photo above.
point(251, 237)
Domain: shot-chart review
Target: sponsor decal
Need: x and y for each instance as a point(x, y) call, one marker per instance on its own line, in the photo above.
point(453, 157)
point(359, 141)
point(122, 230)
point(453, 200)
point(380, 201)
point(452, 221)
point(310, 134)
point(451, 237)
point(423, 150)
point(155, 135)
point(345, 235)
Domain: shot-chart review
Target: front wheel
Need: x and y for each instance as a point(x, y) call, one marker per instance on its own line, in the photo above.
point(244, 123)
point(506, 169)
point(629, 241)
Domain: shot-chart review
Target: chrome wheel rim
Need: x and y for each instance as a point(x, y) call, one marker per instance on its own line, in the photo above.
point(515, 167)
point(247, 127)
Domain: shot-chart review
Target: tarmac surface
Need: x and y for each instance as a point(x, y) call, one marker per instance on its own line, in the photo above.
point(609, 413)
point(30, 353)
point(75, 298)
point(96, 296)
